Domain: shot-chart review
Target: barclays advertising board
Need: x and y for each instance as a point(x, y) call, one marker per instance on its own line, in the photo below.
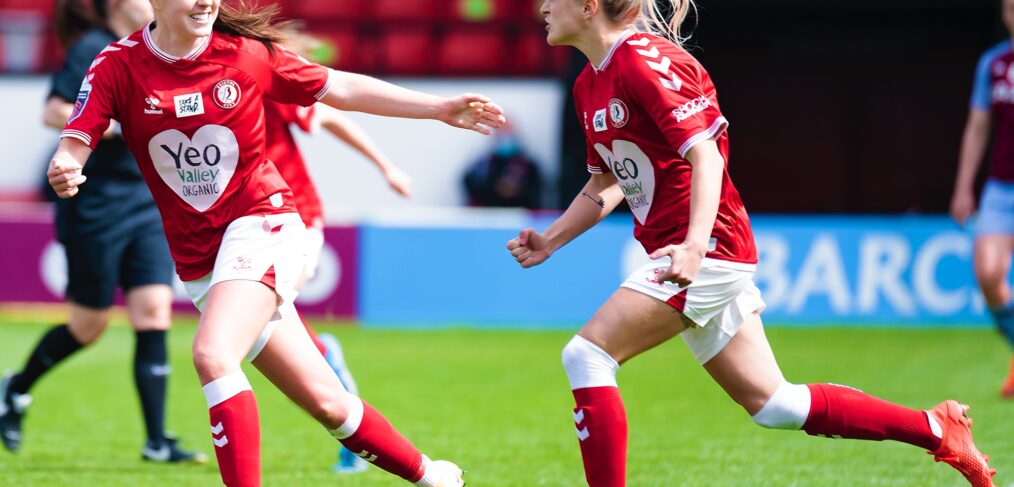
point(891, 271)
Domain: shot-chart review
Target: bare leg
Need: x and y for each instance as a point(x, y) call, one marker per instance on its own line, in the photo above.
point(992, 264)
point(234, 315)
point(293, 364)
point(746, 368)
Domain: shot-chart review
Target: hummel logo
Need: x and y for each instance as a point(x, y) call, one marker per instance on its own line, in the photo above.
point(153, 108)
point(217, 430)
point(365, 455)
point(669, 80)
point(583, 434)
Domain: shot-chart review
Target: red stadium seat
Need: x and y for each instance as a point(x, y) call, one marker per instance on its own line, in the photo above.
point(474, 52)
point(330, 9)
point(350, 52)
point(478, 11)
point(45, 7)
point(407, 51)
point(531, 53)
point(412, 9)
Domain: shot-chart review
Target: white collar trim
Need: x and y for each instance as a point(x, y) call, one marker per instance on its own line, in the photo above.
point(609, 56)
point(169, 58)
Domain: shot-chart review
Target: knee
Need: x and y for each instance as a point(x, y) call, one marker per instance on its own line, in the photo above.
point(786, 409)
point(210, 364)
point(992, 278)
point(150, 316)
point(330, 410)
point(88, 331)
point(587, 365)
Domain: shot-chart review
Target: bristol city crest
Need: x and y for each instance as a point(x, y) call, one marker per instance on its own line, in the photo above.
point(226, 94)
point(618, 113)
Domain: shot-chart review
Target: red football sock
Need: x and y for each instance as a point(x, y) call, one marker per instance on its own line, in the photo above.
point(379, 443)
point(313, 336)
point(602, 430)
point(840, 411)
point(235, 430)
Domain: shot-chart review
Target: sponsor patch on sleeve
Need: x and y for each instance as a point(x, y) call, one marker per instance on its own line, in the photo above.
point(82, 99)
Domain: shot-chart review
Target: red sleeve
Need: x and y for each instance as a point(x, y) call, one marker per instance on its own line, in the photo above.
point(674, 89)
point(94, 106)
point(295, 80)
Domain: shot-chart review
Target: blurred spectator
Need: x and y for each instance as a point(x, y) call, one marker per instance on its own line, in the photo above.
point(507, 177)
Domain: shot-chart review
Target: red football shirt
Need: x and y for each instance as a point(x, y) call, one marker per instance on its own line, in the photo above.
point(647, 104)
point(281, 149)
point(195, 124)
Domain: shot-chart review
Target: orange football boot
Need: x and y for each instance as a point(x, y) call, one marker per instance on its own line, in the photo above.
point(956, 446)
point(1007, 391)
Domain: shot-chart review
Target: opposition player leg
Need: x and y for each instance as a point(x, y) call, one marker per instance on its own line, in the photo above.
point(627, 324)
point(289, 361)
point(992, 267)
point(746, 369)
point(234, 314)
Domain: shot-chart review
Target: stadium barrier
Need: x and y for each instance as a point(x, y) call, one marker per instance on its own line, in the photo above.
point(450, 268)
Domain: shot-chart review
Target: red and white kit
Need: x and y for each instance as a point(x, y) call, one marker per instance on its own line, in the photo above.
point(643, 109)
point(196, 127)
point(281, 149)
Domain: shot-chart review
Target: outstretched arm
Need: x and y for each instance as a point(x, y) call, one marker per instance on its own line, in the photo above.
point(598, 198)
point(973, 147)
point(358, 93)
point(350, 133)
point(65, 167)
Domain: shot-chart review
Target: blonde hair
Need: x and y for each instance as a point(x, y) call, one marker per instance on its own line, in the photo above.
point(646, 16)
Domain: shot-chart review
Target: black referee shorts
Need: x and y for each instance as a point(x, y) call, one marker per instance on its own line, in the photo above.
point(98, 263)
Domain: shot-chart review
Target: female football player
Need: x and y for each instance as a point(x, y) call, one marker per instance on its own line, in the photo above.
point(657, 137)
point(189, 91)
point(992, 103)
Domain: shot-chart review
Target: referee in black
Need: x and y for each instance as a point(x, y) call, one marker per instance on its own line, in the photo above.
point(113, 237)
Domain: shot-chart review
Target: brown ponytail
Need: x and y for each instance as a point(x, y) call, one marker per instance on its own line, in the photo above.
point(253, 21)
point(73, 18)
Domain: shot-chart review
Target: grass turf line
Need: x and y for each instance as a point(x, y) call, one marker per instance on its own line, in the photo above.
point(497, 403)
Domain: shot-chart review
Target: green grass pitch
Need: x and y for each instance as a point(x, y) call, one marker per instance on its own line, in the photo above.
point(497, 403)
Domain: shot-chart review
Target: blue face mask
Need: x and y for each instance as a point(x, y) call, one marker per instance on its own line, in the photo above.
point(506, 147)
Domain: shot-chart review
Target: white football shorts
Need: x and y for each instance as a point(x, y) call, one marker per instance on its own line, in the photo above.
point(262, 248)
point(718, 301)
point(314, 243)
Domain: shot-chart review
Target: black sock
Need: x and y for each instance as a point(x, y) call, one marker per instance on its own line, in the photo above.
point(151, 371)
point(56, 345)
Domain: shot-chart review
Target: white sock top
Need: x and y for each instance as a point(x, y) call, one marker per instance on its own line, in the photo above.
point(224, 388)
point(352, 422)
